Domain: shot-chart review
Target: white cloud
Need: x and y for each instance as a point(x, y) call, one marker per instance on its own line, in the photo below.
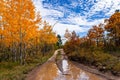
point(60, 28)
point(81, 20)
point(46, 12)
point(75, 20)
point(107, 6)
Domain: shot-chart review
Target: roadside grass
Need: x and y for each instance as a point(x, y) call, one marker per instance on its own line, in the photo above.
point(15, 71)
point(58, 57)
point(104, 61)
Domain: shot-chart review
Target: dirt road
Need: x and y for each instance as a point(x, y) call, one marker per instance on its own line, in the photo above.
point(64, 70)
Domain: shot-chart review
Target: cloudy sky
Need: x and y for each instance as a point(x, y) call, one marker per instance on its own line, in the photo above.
point(78, 15)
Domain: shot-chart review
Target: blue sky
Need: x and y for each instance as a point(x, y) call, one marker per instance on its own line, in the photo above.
point(78, 15)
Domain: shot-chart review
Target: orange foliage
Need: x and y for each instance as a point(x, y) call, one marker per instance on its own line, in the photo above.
point(21, 24)
point(113, 27)
point(96, 34)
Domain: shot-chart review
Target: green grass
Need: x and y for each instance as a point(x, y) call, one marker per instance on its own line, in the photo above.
point(15, 71)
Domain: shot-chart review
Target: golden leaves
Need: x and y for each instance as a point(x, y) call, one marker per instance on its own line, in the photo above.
point(21, 24)
point(47, 35)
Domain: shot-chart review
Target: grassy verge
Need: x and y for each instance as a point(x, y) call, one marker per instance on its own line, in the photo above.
point(94, 56)
point(104, 62)
point(14, 71)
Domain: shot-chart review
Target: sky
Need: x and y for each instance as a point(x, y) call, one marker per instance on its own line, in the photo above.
point(77, 15)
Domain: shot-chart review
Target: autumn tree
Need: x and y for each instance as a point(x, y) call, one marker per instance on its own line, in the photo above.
point(2, 6)
point(95, 34)
point(47, 37)
point(74, 35)
point(20, 25)
point(91, 35)
point(67, 35)
point(22, 32)
point(113, 28)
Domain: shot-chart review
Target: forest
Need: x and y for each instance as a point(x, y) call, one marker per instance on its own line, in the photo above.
point(100, 48)
point(26, 41)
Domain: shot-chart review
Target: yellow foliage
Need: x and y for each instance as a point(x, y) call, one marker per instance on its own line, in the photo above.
point(47, 35)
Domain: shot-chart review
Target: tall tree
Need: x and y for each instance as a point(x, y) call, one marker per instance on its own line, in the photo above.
point(113, 28)
point(59, 42)
point(46, 36)
point(21, 24)
point(96, 34)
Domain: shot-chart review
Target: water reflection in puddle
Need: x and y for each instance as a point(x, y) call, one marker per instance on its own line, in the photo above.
point(65, 66)
point(69, 71)
point(83, 76)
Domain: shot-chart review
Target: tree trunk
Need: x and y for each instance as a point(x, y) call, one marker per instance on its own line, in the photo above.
point(21, 55)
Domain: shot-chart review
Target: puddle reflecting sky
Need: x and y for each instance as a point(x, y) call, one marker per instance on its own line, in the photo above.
point(50, 71)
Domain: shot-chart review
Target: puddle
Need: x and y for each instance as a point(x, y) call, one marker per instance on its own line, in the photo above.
point(83, 76)
point(69, 71)
point(65, 66)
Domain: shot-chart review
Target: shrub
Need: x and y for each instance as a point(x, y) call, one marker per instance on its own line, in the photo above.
point(71, 46)
point(92, 56)
point(116, 69)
